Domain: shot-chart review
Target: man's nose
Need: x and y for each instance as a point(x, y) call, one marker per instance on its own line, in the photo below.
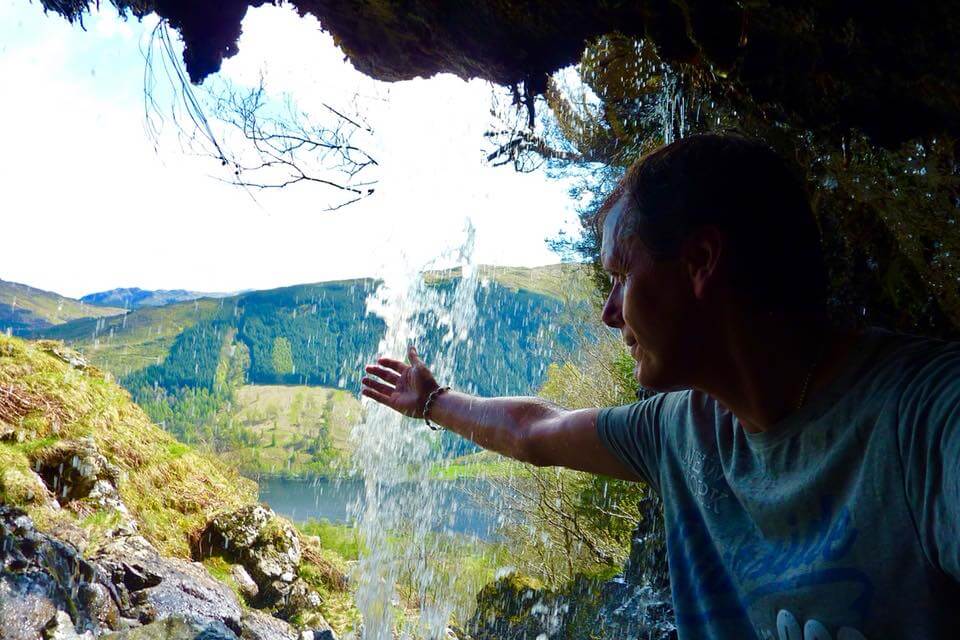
point(612, 315)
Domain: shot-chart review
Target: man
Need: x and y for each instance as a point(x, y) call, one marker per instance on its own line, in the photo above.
point(809, 474)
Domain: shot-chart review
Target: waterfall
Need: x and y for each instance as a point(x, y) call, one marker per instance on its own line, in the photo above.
point(392, 450)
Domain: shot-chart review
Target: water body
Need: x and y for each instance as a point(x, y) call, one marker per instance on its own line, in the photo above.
point(463, 505)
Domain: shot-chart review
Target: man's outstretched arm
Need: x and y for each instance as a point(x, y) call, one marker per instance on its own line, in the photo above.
point(526, 429)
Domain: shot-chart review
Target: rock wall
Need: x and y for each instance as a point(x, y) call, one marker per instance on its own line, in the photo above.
point(888, 69)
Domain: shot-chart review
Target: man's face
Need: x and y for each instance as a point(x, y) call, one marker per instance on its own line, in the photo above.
point(650, 303)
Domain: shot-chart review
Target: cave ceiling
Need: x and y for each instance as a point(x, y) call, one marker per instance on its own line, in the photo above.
point(888, 69)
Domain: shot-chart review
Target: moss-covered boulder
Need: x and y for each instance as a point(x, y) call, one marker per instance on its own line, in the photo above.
point(266, 546)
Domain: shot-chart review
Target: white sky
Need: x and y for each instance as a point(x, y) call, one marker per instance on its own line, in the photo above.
point(87, 204)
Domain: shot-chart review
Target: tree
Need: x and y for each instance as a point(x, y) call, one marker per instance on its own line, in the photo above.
point(282, 357)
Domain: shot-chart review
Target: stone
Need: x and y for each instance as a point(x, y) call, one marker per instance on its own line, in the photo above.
point(63, 353)
point(266, 546)
point(75, 469)
point(151, 587)
point(176, 628)
point(245, 583)
point(256, 625)
point(41, 577)
point(60, 627)
point(816, 64)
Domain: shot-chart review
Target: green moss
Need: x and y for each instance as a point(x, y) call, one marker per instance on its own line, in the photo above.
point(19, 486)
point(343, 540)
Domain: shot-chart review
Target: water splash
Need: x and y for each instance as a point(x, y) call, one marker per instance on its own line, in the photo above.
point(391, 451)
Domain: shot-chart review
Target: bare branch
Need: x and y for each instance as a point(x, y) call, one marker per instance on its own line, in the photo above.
point(266, 143)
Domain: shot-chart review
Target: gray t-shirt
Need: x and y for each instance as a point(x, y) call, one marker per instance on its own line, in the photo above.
point(840, 523)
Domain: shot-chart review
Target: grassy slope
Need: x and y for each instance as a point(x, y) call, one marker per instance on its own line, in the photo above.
point(281, 416)
point(39, 308)
point(141, 338)
point(169, 488)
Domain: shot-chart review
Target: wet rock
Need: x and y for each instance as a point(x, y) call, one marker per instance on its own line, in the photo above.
point(42, 577)
point(245, 583)
point(507, 609)
point(516, 608)
point(176, 628)
point(260, 626)
point(151, 587)
point(60, 627)
point(266, 546)
point(635, 612)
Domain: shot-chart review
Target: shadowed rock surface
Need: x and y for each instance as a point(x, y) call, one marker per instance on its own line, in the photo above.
point(889, 69)
point(41, 576)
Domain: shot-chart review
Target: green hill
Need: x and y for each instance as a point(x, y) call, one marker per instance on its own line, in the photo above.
point(293, 430)
point(44, 401)
point(26, 309)
point(186, 362)
point(564, 282)
point(131, 342)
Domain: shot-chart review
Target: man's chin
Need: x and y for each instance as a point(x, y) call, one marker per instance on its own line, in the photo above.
point(650, 379)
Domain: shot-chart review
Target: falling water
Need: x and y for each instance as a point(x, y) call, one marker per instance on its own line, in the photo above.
point(391, 450)
point(671, 105)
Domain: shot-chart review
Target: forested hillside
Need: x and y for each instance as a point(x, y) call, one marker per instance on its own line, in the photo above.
point(184, 363)
point(24, 309)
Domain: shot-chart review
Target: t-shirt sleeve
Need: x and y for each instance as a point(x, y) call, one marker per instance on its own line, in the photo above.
point(929, 426)
point(632, 433)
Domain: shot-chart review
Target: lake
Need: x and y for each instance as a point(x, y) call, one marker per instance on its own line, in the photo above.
point(336, 500)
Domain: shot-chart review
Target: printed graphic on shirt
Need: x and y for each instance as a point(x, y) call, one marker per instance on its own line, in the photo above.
point(749, 581)
point(705, 477)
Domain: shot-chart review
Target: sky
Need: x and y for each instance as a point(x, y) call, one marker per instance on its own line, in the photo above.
point(90, 201)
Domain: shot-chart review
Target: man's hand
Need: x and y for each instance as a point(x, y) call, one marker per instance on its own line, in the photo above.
point(402, 387)
point(526, 429)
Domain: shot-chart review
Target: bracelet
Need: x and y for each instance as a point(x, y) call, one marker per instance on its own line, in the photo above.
point(429, 403)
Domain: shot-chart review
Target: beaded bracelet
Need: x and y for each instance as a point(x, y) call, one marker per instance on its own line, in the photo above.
point(429, 403)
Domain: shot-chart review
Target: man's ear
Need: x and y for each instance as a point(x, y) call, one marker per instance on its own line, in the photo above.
point(701, 253)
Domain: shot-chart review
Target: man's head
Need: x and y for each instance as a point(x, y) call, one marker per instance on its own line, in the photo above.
point(697, 228)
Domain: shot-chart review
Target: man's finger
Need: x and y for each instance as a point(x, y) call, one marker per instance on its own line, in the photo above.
point(377, 386)
point(373, 395)
point(412, 356)
point(396, 365)
point(382, 372)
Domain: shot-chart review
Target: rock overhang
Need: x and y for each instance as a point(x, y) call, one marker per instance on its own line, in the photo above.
point(888, 69)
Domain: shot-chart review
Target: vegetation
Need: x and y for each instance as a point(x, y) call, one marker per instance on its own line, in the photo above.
point(184, 363)
point(25, 309)
point(291, 430)
point(888, 213)
point(128, 343)
point(169, 488)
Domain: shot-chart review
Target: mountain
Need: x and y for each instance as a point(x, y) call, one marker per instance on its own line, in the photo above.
point(185, 363)
point(25, 309)
point(134, 297)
